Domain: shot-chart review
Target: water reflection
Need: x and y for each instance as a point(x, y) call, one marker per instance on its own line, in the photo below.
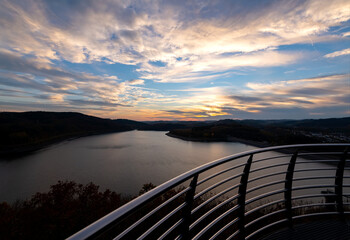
point(122, 162)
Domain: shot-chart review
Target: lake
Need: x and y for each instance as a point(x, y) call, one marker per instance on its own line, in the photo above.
point(122, 162)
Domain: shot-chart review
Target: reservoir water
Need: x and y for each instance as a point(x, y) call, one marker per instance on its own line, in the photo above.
point(122, 162)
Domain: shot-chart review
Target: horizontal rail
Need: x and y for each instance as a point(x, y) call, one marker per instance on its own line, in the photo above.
point(312, 205)
point(279, 156)
point(312, 196)
point(315, 214)
point(313, 161)
point(172, 228)
point(271, 158)
point(216, 185)
point(251, 236)
point(264, 206)
point(219, 173)
point(315, 169)
point(156, 225)
point(312, 186)
point(153, 212)
point(313, 178)
point(265, 216)
point(254, 199)
point(266, 176)
point(224, 228)
point(234, 235)
point(320, 153)
point(265, 185)
point(213, 210)
point(215, 197)
point(268, 167)
point(216, 220)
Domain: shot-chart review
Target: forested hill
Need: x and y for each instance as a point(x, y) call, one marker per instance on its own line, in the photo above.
point(270, 132)
point(327, 125)
point(28, 131)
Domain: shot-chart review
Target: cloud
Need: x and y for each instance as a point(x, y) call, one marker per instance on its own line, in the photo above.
point(312, 91)
point(192, 42)
point(338, 53)
point(205, 112)
point(206, 36)
point(15, 62)
point(79, 102)
point(209, 67)
point(136, 82)
point(299, 97)
point(322, 91)
point(29, 80)
point(246, 99)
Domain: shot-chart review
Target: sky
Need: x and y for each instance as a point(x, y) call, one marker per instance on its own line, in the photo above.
point(177, 60)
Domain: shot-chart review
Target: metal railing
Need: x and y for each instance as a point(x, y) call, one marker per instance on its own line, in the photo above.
point(243, 196)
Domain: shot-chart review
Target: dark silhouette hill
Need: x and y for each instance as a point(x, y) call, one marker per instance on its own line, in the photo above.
point(330, 124)
point(270, 132)
point(131, 124)
point(21, 133)
point(27, 131)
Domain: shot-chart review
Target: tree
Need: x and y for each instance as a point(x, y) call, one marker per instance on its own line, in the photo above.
point(59, 213)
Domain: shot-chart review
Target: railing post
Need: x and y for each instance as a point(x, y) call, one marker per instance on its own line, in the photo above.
point(339, 184)
point(185, 231)
point(288, 188)
point(242, 197)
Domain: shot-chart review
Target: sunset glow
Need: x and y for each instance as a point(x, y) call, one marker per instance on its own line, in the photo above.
point(177, 60)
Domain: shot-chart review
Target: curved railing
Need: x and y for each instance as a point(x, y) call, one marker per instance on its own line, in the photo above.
point(243, 196)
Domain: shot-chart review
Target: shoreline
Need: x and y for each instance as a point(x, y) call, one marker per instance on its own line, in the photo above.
point(24, 150)
point(228, 139)
point(248, 142)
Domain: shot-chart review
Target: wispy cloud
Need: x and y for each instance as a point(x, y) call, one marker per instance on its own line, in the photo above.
point(185, 36)
point(205, 68)
point(169, 43)
point(338, 53)
point(31, 78)
point(305, 96)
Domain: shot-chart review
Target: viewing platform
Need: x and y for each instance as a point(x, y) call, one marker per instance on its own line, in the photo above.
point(317, 230)
point(285, 192)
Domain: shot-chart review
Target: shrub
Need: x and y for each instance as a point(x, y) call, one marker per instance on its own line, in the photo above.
point(59, 213)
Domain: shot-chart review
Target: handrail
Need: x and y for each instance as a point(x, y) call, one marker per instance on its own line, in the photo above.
point(183, 222)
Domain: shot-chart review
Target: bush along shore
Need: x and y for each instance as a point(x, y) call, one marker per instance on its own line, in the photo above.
point(62, 211)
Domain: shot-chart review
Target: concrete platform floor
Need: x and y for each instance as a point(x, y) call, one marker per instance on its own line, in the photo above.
point(319, 230)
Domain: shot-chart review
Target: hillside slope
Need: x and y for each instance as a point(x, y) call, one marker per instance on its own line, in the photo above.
point(24, 132)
